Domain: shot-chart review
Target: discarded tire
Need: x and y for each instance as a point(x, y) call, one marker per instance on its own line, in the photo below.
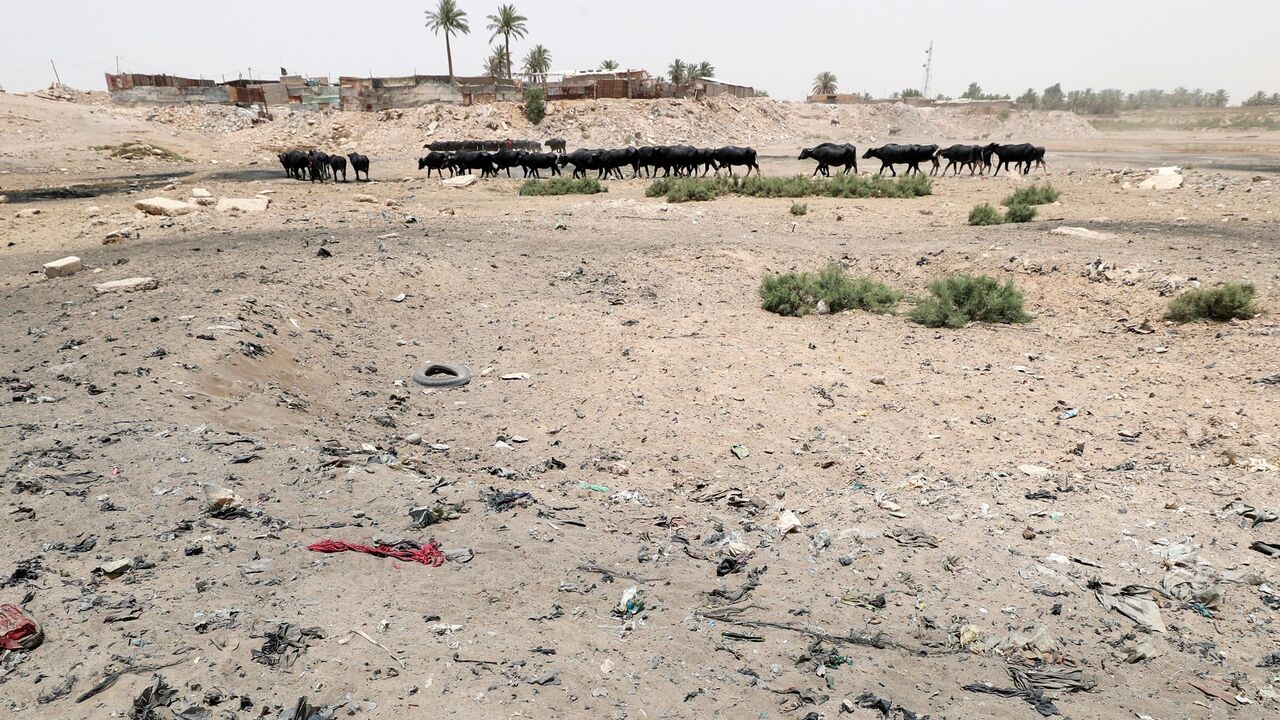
point(443, 375)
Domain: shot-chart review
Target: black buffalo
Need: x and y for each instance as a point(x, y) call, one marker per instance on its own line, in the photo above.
point(909, 155)
point(338, 164)
point(437, 161)
point(556, 145)
point(1021, 155)
point(582, 160)
point(507, 159)
point(318, 165)
point(533, 162)
point(295, 163)
point(959, 156)
point(828, 154)
point(729, 155)
point(359, 164)
point(465, 161)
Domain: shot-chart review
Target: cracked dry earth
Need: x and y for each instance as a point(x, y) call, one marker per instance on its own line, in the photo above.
point(1038, 509)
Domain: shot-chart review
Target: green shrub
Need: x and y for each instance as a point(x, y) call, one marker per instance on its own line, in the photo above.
point(792, 294)
point(959, 299)
point(842, 292)
point(797, 294)
point(1232, 301)
point(562, 186)
point(1032, 195)
point(799, 209)
point(838, 186)
point(535, 104)
point(1020, 214)
point(984, 214)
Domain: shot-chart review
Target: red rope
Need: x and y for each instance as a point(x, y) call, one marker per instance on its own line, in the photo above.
point(428, 554)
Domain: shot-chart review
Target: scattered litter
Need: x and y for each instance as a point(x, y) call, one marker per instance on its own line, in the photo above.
point(515, 376)
point(1215, 689)
point(18, 631)
point(1133, 601)
point(438, 513)
point(1050, 678)
point(303, 710)
point(428, 554)
point(503, 501)
point(886, 707)
point(156, 695)
point(911, 537)
point(443, 375)
point(788, 522)
point(593, 487)
point(631, 603)
point(1035, 698)
point(361, 633)
point(1245, 510)
point(283, 646)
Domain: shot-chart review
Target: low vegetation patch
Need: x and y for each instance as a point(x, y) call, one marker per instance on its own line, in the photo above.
point(957, 300)
point(798, 294)
point(535, 105)
point(562, 186)
point(1020, 214)
point(839, 186)
point(1232, 301)
point(985, 214)
point(135, 150)
point(799, 209)
point(1032, 195)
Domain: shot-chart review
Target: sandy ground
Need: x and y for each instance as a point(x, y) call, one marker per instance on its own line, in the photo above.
point(944, 496)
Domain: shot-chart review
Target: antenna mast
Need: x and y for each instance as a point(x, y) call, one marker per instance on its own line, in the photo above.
point(928, 70)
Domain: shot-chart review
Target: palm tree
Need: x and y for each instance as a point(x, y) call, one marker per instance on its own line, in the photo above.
point(703, 69)
point(609, 65)
point(824, 83)
point(450, 19)
point(677, 71)
point(538, 61)
point(507, 23)
point(498, 62)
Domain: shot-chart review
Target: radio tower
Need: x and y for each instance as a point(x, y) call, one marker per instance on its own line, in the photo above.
point(928, 69)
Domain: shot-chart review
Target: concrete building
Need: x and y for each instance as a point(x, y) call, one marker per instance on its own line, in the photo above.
point(370, 94)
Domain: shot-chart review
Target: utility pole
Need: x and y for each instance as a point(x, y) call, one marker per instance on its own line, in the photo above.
point(55, 71)
point(928, 70)
point(117, 64)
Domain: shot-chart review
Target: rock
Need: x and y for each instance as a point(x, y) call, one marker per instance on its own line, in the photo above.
point(4, 199)
point(361, 197)
point(164, 206)
point(200, 193)
point(1035, 471)
point(460, 181)
point(127, 285)
point(64, 267)
point(876, 380)
point(1080, 232)
point(256, 204)
point(28, 213)
point(414, 439)
point(822, 309)
point(205, 202)
point(92, 211)
point(1166, 178)
point(126, 233)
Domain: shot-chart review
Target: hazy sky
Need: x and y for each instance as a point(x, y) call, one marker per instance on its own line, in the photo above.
point(875, 47)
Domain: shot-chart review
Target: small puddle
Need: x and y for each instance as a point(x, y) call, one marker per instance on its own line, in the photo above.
point(109, 186)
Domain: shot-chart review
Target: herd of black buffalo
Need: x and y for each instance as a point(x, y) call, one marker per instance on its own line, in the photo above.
point(492, 156)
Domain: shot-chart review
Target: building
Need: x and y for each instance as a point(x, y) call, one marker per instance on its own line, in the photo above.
point(134, 89)
point(369, 94)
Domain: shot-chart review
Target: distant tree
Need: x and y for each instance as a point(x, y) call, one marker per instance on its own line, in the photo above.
point(703, 69)
point(1030, 97)
point(825, 83)
point(910, 93)
point(678, 71)
point(507, 23)
point(497, 63)
point(974, 92)
point(451, 20)
point(1259, 98)
point(537, 61)
point(1053, 97)
point(609, 65)
point(762, 93)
